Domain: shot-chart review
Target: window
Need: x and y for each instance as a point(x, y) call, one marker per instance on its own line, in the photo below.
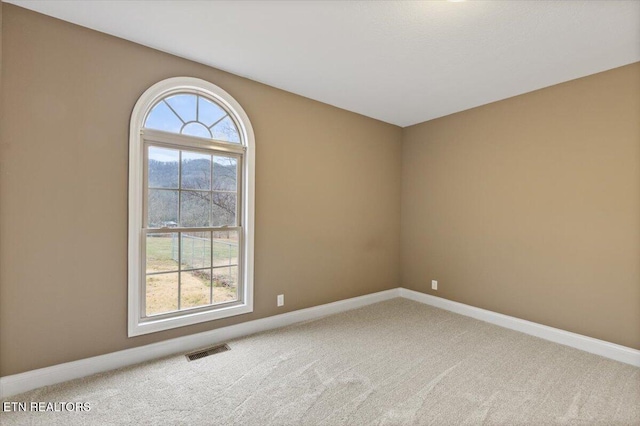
point(191, 183)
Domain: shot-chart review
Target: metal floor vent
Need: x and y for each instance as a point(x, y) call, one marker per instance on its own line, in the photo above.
point(201, 353)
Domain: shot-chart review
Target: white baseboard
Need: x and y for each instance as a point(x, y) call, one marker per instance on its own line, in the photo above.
point(23, 382)
point(567, 338)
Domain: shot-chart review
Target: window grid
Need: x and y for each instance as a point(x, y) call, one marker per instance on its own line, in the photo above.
point(181, 229)
point(180, 190)
point(232, 137)
point(180, 268)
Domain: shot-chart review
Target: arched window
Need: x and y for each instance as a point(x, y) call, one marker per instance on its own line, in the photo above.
point(191, 184)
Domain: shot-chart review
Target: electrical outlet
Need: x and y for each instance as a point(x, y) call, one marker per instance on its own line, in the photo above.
point(434, 285)
point(281, 300)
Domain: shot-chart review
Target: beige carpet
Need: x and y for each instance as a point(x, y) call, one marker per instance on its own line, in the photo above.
point(393, 363)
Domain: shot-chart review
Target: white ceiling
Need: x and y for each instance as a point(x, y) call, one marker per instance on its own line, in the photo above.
point(399, 62)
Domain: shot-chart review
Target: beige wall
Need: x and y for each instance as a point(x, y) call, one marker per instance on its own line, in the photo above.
point(531, 206)
point(327, 193)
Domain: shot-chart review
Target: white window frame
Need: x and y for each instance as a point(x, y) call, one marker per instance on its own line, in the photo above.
point(137, 323)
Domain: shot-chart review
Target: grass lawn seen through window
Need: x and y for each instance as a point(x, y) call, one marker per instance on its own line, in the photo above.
point(208, 270)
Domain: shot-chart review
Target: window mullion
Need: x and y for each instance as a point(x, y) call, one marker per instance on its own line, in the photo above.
point(174, 111)
point(211, 269)
point(179, 233)
point(211, 193)
point(219, 120)
point(180, 188)
point(191, 142)
point(211, 180)
point(239, 168)
point(179, 268)
point(189, 229)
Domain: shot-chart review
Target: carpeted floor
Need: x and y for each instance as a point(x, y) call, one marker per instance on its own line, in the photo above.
point(392, 363)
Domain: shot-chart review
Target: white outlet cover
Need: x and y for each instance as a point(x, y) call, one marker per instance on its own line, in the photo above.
point(280, 299)
point(434, 285)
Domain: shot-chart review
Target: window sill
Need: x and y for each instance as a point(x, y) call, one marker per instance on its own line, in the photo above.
point(139, 328)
